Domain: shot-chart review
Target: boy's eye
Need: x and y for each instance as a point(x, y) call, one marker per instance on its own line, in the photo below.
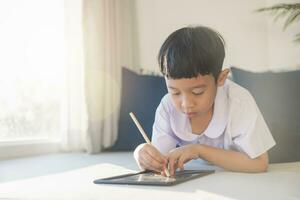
point(176, 94)
point(198, 93)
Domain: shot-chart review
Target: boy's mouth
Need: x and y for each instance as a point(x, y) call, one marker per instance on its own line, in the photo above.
point(191, 114)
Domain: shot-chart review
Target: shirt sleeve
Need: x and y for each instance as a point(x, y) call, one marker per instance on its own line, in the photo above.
point(162, 136)
point(253, 137)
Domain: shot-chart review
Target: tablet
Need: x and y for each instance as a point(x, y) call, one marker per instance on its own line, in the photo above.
point(151, 178)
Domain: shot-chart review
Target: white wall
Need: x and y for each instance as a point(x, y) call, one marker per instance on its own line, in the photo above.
point(252, 42)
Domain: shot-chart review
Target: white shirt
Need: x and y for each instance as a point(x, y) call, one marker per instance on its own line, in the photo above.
point(237, 124)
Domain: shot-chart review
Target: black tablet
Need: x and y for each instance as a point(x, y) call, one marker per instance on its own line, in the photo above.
point(151, 178)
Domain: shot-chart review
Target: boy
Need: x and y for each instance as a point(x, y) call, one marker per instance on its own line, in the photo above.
point(203, 115)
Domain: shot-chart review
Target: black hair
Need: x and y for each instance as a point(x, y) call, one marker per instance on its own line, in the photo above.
point(191, 51)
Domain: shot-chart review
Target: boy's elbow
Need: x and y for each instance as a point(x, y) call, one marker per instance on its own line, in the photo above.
point(263, 163)
point(259, 167)
point(264, 167)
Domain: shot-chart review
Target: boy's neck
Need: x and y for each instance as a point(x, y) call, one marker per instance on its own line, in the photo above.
point(200, 123)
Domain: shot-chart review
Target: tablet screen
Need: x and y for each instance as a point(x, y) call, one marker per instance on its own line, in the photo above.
point(151, 178)
point(148, 177)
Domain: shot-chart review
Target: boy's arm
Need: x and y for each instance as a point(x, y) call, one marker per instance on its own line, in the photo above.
point(227, 159)
point(233, 160)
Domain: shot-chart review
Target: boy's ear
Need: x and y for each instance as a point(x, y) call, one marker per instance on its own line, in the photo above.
point(222, 77)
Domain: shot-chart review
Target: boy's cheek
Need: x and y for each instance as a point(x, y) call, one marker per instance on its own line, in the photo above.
point(176, 104)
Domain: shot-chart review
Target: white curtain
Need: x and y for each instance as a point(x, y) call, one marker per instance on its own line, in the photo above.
point(108, 44)
point(100, 38)
point(74, 108)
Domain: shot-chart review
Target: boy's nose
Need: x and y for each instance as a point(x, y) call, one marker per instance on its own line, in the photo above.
point(187, 103)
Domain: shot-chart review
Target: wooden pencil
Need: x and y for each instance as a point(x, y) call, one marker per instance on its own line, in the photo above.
point(144, 135)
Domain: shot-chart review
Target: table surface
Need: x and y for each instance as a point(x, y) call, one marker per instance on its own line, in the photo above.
point(282, 181)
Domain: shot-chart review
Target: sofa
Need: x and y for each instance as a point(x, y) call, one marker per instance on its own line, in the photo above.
point(277, 94)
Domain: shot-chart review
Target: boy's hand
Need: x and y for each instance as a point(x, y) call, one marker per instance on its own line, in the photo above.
point(150, 158)
point(177, 157)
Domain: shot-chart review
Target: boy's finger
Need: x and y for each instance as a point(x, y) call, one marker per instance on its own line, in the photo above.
point(148, 164)
point(144, 164)
point(180, 163)
point(172, 165)
point(147, 150)
point(153, 163)
point(156, 155)
point(175, 166)
point(163, 173)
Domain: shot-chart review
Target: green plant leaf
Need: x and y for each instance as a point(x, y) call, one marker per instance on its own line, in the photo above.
point(294, 15)
point(297, 38)
point(290, 11)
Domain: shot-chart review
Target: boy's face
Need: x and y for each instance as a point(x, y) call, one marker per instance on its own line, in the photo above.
point(195, 96)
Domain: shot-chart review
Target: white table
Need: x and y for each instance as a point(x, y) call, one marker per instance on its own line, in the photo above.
point(282, 181)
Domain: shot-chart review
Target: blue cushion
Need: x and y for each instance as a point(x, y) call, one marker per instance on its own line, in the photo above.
point(277, 95)
point(141, 94)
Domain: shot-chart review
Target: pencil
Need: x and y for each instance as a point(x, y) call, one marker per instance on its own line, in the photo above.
point(144, 135)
